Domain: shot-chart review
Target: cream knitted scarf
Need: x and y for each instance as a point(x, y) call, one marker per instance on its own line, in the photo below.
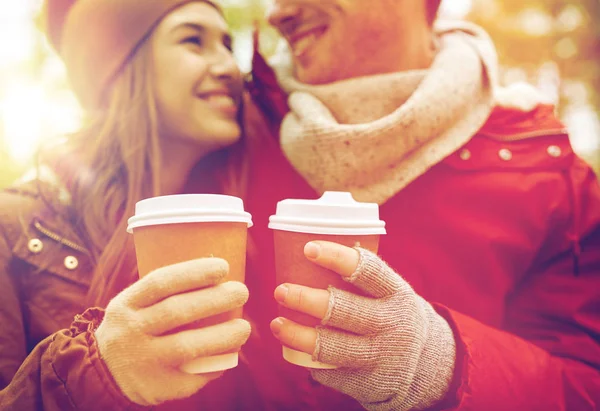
point(374, 135)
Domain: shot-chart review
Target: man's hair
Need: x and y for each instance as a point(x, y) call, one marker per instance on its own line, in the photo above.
point(432, 9)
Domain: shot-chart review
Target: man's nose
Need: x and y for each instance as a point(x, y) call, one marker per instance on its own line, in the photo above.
point(283, 14)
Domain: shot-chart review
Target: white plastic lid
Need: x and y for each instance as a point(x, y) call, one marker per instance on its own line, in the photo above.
point(335, 213)
point(188, 208)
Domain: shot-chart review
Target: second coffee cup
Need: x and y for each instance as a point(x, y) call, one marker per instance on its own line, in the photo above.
point(335, 217)
point(172, 229)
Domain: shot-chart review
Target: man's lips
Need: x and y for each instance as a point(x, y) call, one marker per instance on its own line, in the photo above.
point(302, 40)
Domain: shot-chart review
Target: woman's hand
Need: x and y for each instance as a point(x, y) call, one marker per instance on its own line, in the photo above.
point(134, 339)
point(392, 349)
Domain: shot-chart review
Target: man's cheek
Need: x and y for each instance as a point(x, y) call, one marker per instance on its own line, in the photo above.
point(346, 3)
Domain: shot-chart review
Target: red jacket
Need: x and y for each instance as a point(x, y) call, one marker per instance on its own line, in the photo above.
point(507, 251)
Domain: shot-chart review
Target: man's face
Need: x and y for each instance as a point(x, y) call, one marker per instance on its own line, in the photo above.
point(338, 39)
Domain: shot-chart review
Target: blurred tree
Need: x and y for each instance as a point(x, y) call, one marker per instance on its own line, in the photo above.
point(532, 33)
point(554, 44)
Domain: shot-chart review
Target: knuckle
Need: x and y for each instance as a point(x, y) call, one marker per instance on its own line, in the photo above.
point(338, 259)
point(170, 313)
point(182, 349)
point(145, 323)
point(167, 361)
point(299, 296)
point(290, 334)
point(380, 320)
point(187, 346)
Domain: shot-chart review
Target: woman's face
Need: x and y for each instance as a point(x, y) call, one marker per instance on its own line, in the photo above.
point(198, 84)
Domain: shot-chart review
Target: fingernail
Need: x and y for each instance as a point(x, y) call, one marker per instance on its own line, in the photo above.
point(276, 325)
point(312, 250)
point(281, 293)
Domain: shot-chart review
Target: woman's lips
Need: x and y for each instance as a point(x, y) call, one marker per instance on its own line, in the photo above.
point(221, 102)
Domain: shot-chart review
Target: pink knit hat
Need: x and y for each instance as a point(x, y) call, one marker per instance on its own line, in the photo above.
point(95, 38)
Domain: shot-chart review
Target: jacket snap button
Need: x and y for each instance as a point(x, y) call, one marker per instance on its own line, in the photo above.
point(505, 154)
point(71, 262)
point(465, 154)
point(554, 151)
point(35, 245)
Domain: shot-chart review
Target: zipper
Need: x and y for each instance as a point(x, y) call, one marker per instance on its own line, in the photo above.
point(59, 239)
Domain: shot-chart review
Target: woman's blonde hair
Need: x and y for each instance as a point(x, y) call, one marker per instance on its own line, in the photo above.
point(118, 158)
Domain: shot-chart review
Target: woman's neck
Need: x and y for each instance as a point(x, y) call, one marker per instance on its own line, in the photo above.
point(177, 161)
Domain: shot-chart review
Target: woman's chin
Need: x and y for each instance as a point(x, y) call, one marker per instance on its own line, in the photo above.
point(230, 136)
point(221, 135)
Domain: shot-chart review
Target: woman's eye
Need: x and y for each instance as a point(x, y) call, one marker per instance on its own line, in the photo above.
point(192, 40)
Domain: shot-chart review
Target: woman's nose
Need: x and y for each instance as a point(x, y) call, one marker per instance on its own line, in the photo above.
point(223, 64)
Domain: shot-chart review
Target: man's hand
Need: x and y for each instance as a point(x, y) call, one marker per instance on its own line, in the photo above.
point(338, 258)
point(394, 351)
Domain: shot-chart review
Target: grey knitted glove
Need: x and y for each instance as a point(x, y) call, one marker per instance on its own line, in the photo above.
point(395, 353)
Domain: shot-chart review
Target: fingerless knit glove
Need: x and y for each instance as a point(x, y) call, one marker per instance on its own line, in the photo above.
point(394, 351)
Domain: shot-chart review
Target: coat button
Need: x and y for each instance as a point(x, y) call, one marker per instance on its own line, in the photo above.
point(35, 245)
point(465, 154)
point(71, 262)
point(505, 154)
point(554, 151)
